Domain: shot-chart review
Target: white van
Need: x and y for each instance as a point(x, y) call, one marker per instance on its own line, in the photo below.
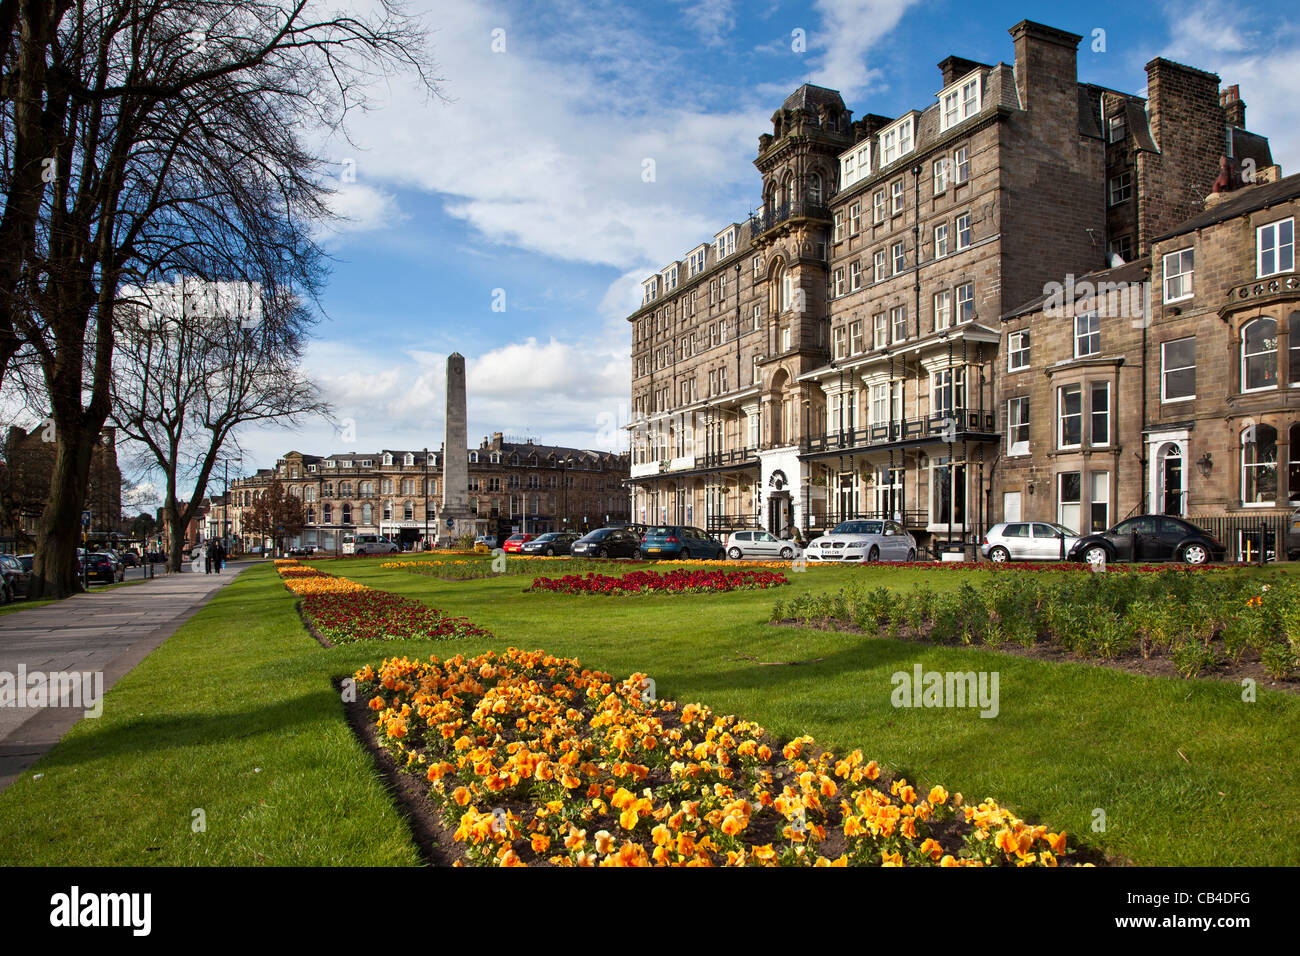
point(367, 544)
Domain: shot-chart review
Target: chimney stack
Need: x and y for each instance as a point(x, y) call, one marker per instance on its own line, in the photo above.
point(1234, 110)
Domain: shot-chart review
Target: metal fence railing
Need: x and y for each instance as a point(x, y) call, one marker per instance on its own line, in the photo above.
point(1240, 534)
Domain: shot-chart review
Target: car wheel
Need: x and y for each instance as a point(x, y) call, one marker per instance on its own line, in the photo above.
point(1196, 554)
point(735, 554)
point(636, 555)
point(873, 555)
point(911, 555)
point(787, 554)
point(550, 552)
point(603, 553)
point(1096, 555)
point(999, 555)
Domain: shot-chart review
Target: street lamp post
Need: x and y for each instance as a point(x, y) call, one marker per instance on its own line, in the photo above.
point(426, 499)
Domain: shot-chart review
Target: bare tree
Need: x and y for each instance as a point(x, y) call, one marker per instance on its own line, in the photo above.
point(199, 360)
point(167, 135)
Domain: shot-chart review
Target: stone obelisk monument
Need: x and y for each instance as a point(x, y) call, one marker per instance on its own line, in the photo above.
point(455, 519)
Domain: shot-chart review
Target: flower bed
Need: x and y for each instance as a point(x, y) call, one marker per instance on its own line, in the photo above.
point(344, 611)
point(1198, 622)
point(534, 760)
point(682, 581)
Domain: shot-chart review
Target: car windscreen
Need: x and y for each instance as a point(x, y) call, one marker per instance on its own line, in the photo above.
point(859, 527)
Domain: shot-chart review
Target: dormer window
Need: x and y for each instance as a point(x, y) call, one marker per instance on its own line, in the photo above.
point(896, 141)
point(496, 458)
point(650, 288)
point(388, 459)
point(473, 457)
point(855, 165)
point(409, 460)
point(670, 278)
point(959, 102)
point(695, 261)
point(724, 244)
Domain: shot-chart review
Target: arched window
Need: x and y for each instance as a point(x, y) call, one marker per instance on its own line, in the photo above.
point(366, 513)
point(787, 191)
point(1258, 465)
point(1259, 355)
point(1293, 363)
point(815, 189)
point(1294, 478)
point(311, 514)
point(408, 511)
point(388, 511)
point(347, 512)
point(345, 489)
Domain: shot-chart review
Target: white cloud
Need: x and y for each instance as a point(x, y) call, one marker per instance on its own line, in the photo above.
point(848, 32)
point(713, 19)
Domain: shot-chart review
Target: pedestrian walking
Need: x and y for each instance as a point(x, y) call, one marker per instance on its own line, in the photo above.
point(208, 556)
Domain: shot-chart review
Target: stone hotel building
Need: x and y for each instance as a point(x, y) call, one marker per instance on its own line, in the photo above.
point(513, 486)
point(841, 353)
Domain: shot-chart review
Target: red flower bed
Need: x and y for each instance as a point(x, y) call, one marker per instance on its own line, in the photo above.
point(672, 582)
point(381, 616)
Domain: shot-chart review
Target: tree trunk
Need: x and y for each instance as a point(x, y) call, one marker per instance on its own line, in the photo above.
point(176, 538)
point(55, 568)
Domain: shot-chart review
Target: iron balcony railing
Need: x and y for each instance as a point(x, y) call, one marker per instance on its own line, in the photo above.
point(944, 427)
point(732, 522)
point(719, 459)
point(799, 209)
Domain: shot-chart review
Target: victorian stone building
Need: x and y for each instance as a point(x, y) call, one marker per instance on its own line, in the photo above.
point(29, 469)
point(513, 486)
point(1169, 386)
point(840, 353)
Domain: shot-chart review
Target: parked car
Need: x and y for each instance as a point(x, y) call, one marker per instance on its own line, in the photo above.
point(101, 567)
point(550, 544)
point(514, 544)
point(1149, 538)
point(130, 559)
point(1027, 541)
point(302, 552)
point(680, 542)
point(759, 546)
point(27, 561)
point(17, 580)
point(607, 543)
point(367, 544)
point(869, 540)
point(489, 541)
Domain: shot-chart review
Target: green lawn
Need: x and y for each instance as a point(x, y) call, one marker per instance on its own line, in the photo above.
point(241, 686)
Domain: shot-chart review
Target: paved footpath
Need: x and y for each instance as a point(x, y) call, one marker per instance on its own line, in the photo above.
point(107, 632)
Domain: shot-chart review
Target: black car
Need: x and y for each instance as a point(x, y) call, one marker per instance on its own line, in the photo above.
point(549, 544)
point(102, 567)
point(607, 543)
point(1149, 538)
point(129, 558)
point(15, 580)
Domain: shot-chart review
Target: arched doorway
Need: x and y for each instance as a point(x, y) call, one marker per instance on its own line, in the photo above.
point(780, 504)
point(1171, 475)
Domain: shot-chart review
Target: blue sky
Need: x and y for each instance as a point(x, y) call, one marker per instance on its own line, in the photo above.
point(528, 179)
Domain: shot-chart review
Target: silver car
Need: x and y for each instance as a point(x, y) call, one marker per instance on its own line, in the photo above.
point(864, 541)
point(1027, 541)
point(759, 546)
